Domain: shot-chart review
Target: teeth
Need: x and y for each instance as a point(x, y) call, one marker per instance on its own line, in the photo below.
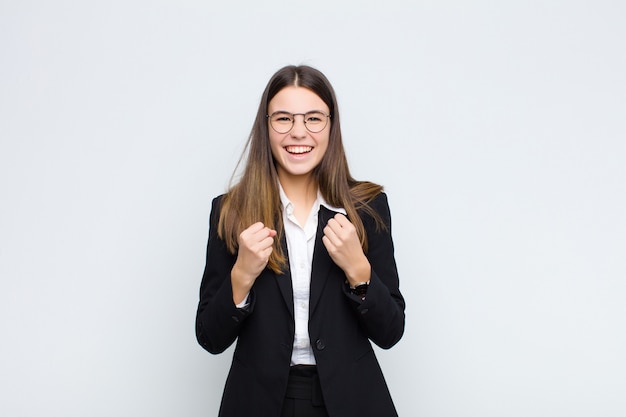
point(299, 149)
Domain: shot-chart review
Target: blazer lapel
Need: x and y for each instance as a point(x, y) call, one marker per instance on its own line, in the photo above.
point(284, 280)
point(321, 260)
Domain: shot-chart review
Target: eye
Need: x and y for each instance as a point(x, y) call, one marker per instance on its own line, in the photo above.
point(282, 118)
point(315, 117)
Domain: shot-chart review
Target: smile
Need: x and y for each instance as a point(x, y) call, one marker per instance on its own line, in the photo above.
point(298, 149)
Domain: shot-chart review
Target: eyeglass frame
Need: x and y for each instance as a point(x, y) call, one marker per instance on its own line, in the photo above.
point(293, 122)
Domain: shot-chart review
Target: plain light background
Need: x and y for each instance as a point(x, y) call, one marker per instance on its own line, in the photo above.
point(497, 128)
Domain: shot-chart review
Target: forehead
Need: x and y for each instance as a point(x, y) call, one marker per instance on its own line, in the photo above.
point(296, 100)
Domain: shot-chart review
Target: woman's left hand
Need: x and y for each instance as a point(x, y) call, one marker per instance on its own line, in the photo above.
point(343, 246)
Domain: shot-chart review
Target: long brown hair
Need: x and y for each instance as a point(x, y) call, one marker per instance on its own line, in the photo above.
point(255, 197)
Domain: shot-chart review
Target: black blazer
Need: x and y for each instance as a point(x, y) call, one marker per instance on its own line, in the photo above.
point(340, 326)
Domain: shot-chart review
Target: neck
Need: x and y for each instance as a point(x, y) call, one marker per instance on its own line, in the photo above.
point(301, 190)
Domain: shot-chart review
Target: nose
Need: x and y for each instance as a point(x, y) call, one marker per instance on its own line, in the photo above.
point(299, 128)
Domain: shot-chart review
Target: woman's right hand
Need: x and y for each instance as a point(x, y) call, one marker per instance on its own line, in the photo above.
point(255, 247)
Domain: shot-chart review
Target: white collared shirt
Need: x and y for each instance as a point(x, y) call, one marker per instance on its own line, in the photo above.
point(300, 245)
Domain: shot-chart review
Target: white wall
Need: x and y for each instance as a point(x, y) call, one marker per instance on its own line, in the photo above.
point(496, 127)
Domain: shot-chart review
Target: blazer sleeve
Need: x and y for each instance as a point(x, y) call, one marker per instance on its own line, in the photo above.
point(381, 314)
point(218, 320)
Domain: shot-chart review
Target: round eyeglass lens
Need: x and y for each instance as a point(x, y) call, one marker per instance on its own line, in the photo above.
point(281, 122)
point(315, 121)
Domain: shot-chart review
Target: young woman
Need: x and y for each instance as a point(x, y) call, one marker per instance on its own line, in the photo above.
point(300, 267)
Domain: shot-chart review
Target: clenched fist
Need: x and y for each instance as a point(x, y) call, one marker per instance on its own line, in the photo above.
point(343, 246)
point(255, 248)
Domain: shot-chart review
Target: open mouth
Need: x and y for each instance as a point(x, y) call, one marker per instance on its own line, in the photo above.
point(298, 150)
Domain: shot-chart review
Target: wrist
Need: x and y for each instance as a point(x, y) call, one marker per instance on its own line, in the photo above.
point(240, 277)
point(359, 274)
point(241, 286)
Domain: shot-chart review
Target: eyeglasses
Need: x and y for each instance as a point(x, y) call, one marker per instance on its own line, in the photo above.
point(314, 121)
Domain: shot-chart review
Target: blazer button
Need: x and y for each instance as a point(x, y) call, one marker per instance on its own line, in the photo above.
point(235, 319)
point(319, 344)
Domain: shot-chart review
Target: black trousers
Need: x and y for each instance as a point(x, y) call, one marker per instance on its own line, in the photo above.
point(304, 393)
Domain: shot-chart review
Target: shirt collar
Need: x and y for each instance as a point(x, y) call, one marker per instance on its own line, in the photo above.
point(288, 205)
